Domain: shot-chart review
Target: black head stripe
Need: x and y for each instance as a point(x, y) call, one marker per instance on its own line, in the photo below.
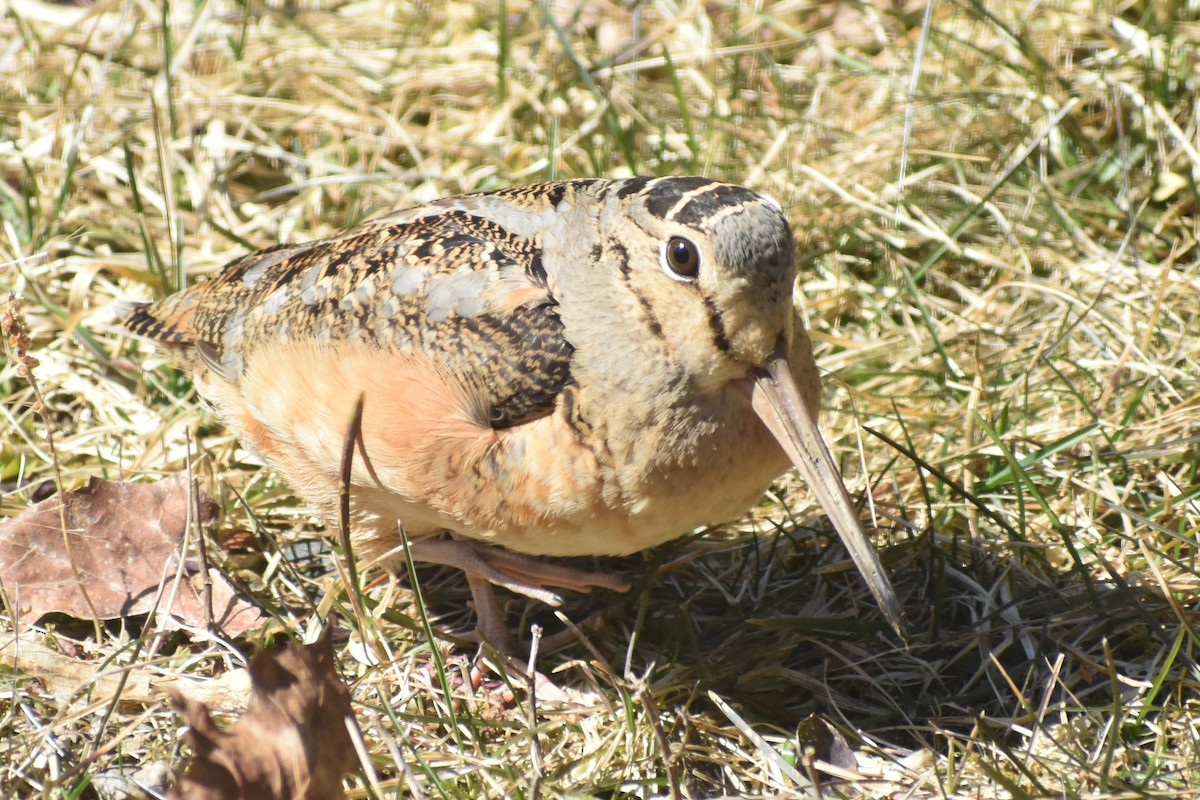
point(664, 196)
point(702, 207)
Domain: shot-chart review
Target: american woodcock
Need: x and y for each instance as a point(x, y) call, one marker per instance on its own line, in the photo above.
point(572, 368)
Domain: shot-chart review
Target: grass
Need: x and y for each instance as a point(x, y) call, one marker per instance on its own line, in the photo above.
point(997, 211)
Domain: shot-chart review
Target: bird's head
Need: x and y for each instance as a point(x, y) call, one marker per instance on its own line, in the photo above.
point(708, 270)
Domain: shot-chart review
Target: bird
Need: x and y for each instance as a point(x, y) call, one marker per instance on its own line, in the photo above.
point(575, 368)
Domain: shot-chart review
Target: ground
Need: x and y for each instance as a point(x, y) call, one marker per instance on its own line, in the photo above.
point(996, 208)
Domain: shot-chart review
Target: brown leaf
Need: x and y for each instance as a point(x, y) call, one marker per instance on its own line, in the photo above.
point(827, 743)
point(65, 676)
point(292, 744)
point(124, 540)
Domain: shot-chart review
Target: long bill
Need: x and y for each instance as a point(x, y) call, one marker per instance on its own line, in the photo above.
point(776, 399)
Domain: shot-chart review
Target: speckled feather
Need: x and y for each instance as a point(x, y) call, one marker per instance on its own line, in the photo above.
point(454, 286)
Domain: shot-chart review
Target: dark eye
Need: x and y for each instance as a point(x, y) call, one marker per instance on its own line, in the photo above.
point(682, 257)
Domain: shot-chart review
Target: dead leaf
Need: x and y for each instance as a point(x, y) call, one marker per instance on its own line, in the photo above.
point(65, 677)
point(827, 743)
point(124, 539)
point(292, 744)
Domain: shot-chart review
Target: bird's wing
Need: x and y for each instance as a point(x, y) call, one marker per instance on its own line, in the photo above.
point(445, 287)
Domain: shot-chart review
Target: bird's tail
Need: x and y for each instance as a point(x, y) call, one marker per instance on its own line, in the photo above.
point(167, 321)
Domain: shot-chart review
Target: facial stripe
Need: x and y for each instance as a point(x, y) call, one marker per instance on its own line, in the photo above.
point(622, 254)
point(716, 325)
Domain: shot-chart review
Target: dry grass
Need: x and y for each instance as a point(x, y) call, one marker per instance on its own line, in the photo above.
point(998, 203)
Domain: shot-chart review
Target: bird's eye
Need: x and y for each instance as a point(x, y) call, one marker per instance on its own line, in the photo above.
point(682, 258)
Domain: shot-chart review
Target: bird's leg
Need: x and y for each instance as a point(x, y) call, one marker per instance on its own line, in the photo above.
point(523, 574)
point(489, 619)
point(487, 564)
point(534, 571)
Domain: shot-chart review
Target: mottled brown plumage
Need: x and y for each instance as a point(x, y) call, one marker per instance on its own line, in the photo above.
point(582, 367)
